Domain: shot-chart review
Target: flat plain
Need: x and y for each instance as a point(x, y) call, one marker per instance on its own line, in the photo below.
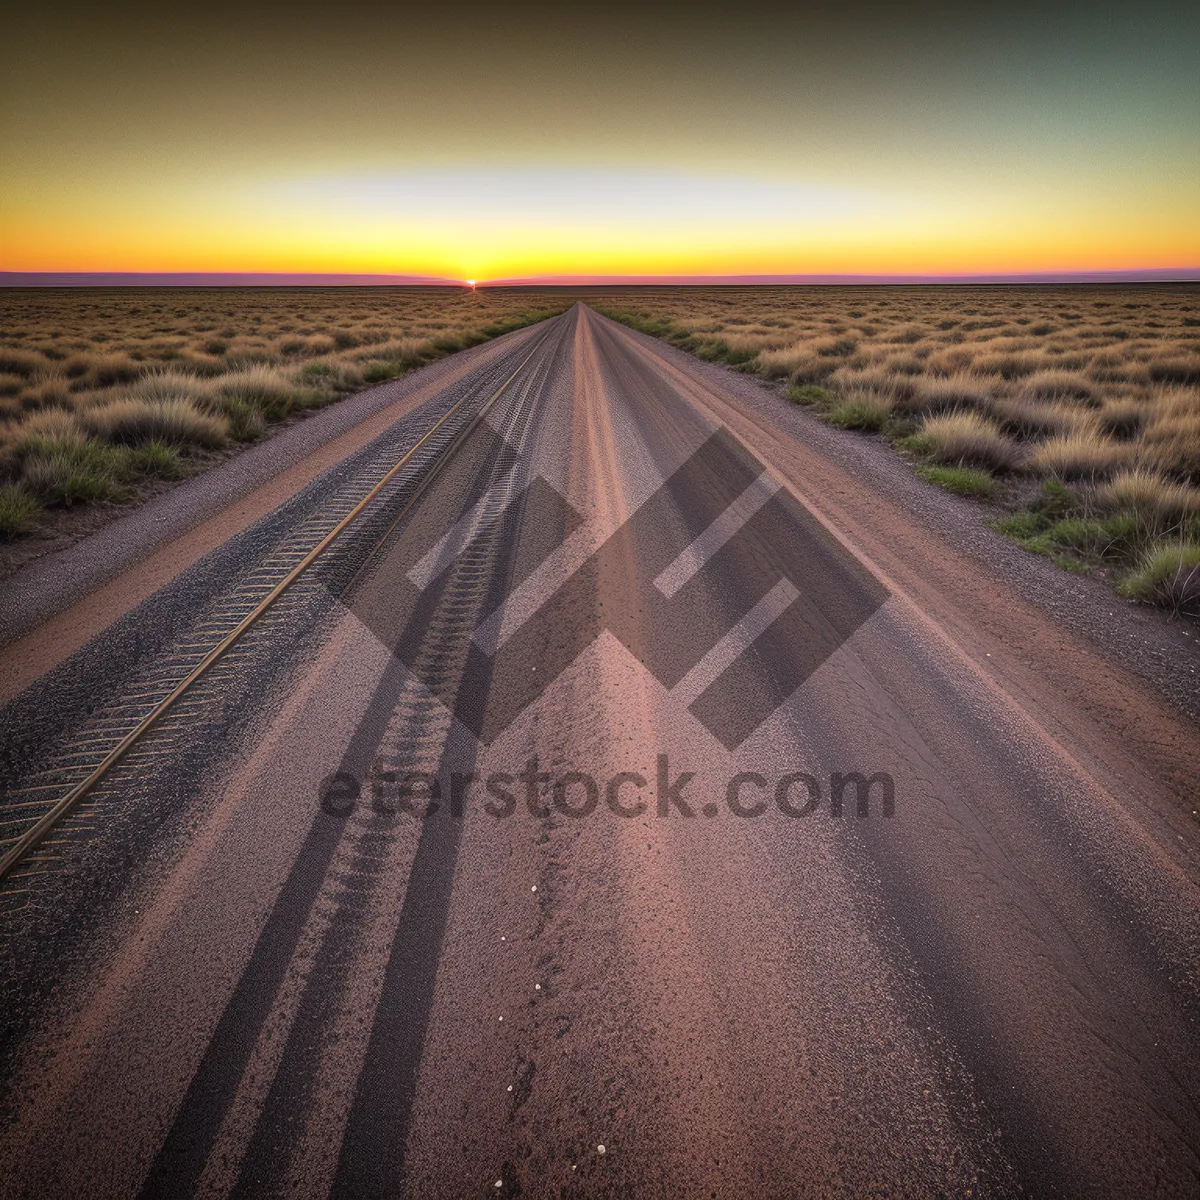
point(1074, 410)
point(104, 391)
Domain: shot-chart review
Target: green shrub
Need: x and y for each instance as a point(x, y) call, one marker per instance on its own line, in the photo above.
point(246, 423)
point(1056, 501)
point(151, 460)
point(1112, 537)
point(712, 351)
point(72, 475)
point(1054, 526)
point(18, 510)
point(378, 371)
point(870, 415)
point(919, 445)
point(1169, 576)
point(1021, 526)
point(962, 481)
point(810, 394)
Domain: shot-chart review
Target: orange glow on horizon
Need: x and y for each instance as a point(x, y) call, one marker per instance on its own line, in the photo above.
point(750, 228)
point(47, 249)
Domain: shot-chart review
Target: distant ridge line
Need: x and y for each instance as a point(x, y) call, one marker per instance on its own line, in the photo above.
point(34, 279)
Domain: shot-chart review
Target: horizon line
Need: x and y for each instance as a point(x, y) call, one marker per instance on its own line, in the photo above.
point(67, 279)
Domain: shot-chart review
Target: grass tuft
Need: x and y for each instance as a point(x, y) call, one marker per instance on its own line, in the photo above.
point(74, 475)
point(861, 410)
point(1122, 419)
point(1059, 385)
point(18, 510)
point(1028, 418)
point(962, 481)
point(174, 422)
point(380, 370)
point(1117, 536)
point(152, 460)
point(246, 423)
point(966, 438)
point(810, 394)
point(162, 386)
point(1169, 576)
point(1154, 502)
point(264, 388)
point(1172, 434)
point(1084, 454)
point(938, 394)
point(48, 431)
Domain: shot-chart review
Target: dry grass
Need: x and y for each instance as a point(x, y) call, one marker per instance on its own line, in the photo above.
point(939, 393)
point(1028, 419)
point(967, 439)
point(1081, 455)
point(1156, 503)
point(101, 388)
point(1043, 362)
point(1171, 438)
point(1095, 390)
point(133, 422)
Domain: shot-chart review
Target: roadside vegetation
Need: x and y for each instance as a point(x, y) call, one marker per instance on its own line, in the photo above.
point(1073, 411)
point(104, 390)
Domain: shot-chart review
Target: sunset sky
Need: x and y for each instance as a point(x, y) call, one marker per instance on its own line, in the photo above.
point(484, 141)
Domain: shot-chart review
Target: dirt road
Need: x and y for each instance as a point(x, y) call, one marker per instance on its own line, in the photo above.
point(635, 798)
